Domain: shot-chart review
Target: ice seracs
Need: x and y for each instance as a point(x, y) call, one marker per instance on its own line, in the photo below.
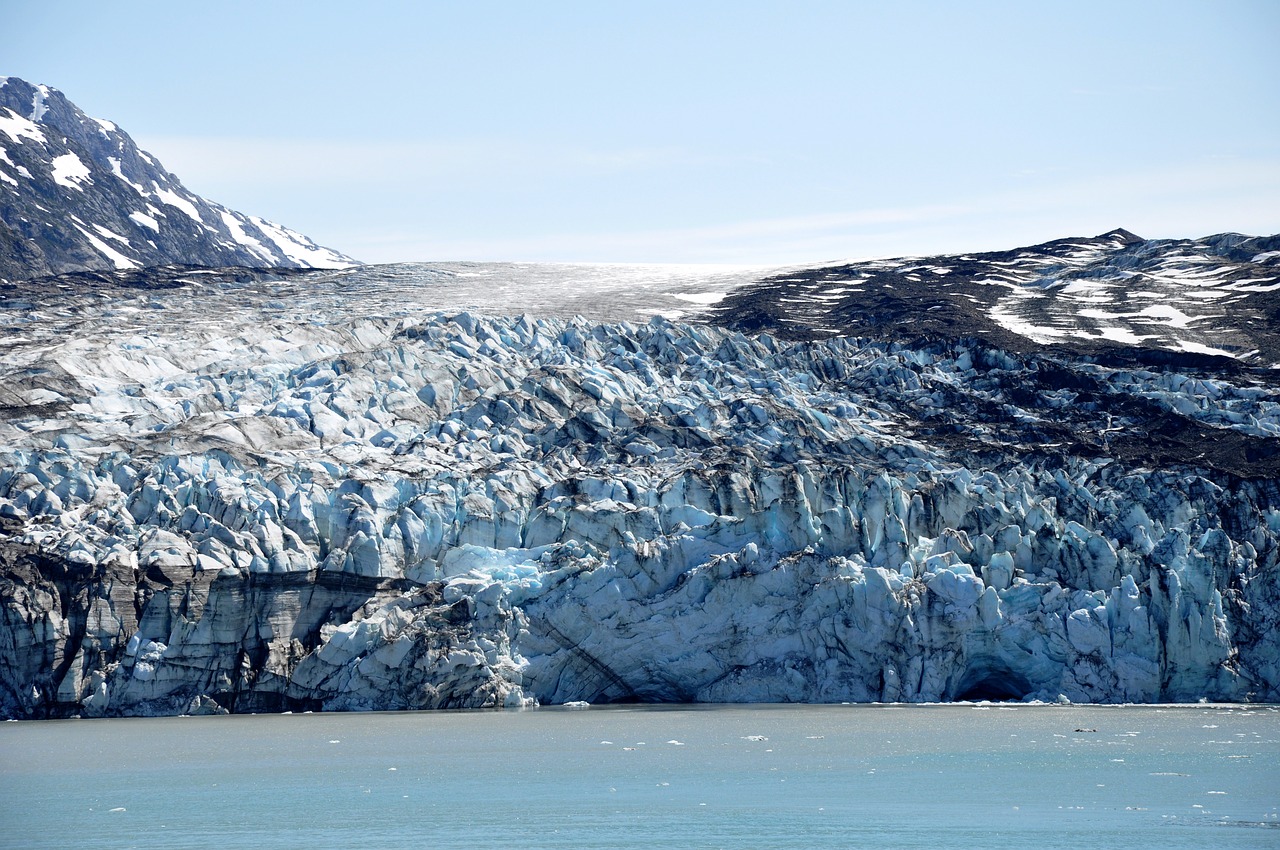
point(305, 499)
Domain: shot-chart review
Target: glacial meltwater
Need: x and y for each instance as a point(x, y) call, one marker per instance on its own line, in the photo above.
point(882, 776)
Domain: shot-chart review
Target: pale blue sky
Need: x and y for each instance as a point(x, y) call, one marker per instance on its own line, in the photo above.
point(737, 132)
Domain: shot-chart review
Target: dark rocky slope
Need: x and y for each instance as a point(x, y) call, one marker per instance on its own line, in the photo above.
point(77, 194)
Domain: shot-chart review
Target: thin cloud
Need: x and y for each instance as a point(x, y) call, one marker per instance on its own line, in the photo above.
point(1170, 202)
point(398, 201)
point(372, 163)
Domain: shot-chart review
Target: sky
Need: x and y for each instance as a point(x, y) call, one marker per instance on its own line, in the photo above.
point(748, 133)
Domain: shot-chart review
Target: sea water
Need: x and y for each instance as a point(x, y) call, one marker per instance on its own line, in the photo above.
point(881, 776)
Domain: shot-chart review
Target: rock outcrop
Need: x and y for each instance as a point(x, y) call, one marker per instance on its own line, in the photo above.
point(77, 194)
point(1115, 296)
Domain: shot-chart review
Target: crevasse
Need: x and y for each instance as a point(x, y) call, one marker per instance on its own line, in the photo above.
point(463, 511)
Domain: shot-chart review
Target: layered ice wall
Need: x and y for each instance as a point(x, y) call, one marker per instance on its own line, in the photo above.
point(268, 509)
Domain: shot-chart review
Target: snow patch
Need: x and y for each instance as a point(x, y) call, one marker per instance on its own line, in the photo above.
point(110, 234)
point(1123, 335)
point(299, 248)
point(118, 171)
point(1254, 288)
point(17, 128)
point(1018, 325)
point(119, 260)
point(1173, 317)
point(4, 157)
point(144, 220)
point(703, 298)
point(69, 171)
point(237, 233)
point(173, 199)
point(1198, 348)
point(38, 103)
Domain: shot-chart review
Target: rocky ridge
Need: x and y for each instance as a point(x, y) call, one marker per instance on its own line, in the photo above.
point(1116, 296)
point(77, 194)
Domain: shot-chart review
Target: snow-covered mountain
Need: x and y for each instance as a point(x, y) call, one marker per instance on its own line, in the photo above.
point(385, 487)
point(77, 194)
point(1116, 293)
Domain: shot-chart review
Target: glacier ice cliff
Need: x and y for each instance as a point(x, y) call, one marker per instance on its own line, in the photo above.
point(246, 503)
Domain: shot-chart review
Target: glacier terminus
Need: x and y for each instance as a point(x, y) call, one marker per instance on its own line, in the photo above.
point(397, 487)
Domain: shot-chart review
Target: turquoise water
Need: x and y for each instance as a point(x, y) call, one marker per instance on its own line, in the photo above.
point(953, 776)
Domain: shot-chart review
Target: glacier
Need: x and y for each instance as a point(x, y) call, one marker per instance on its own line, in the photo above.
point(388, 489)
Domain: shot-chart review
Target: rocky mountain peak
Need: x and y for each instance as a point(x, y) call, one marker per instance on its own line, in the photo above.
point(77, 194)
point(1123, 236)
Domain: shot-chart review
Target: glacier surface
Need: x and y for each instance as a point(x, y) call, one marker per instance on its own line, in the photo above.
point(222, 492)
